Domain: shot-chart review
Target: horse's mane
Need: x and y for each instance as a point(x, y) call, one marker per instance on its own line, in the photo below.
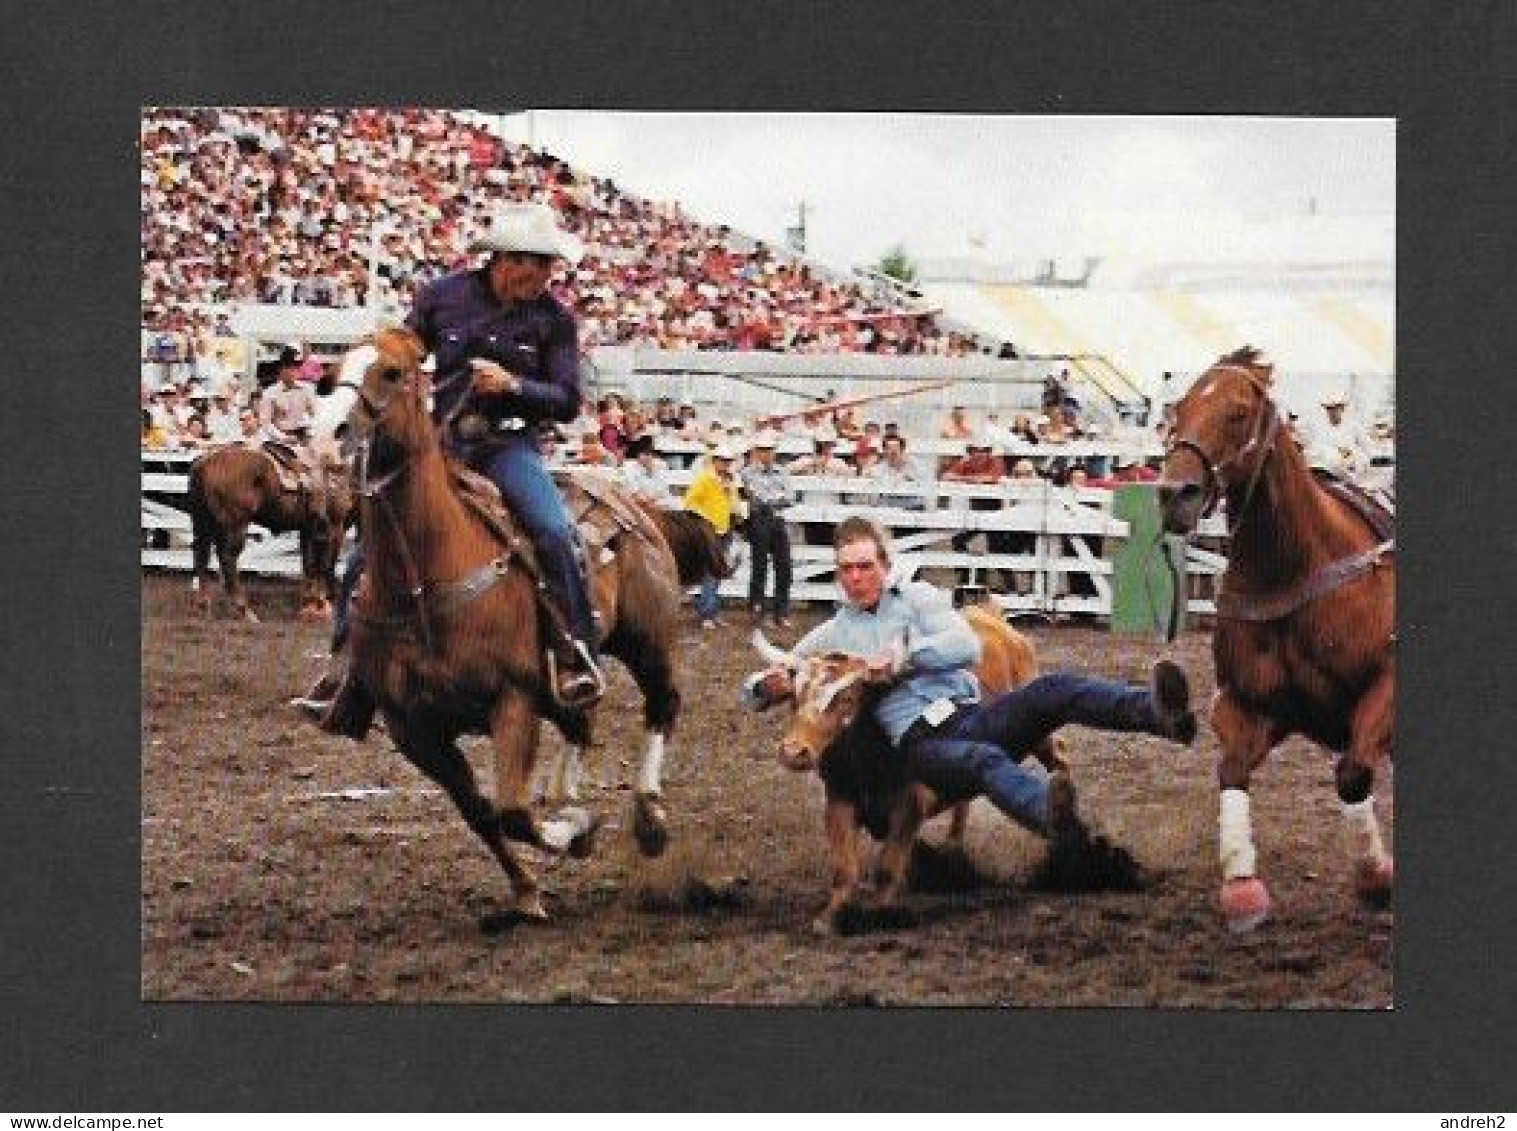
point(693, 541)
point(1247, 355)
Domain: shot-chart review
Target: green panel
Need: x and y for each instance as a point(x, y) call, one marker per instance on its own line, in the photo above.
point(1142, 584)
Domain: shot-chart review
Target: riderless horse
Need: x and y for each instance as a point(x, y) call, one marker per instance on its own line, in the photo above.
point(1305, 633)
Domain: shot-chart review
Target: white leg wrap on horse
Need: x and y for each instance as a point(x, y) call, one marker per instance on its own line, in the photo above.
point(1363, 831)
point(650, 773)
point(567, 773)
point(1236, 835)
point(560, 830)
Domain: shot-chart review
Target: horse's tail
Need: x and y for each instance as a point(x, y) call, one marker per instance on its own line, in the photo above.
point(693, 541)
point(202, 521)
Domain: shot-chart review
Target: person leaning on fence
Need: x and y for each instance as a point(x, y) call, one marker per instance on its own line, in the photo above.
point(821, 461)
point(767, 489)
point(713, 494)
point(982, 466)
point(896, 470)
point(920, 655)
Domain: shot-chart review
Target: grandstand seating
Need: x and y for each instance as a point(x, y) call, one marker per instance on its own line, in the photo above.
point(347, 208)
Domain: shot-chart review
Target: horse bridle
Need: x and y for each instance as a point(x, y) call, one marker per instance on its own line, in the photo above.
point(447, 596)
point(1263, 431)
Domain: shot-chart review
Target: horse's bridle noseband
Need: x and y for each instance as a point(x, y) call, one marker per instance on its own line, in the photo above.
point(1263, 432)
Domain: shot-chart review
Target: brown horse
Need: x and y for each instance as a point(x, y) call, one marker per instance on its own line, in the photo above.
point(234, 486)
point(1304, 641)
point(449, 627)
point(698, 554)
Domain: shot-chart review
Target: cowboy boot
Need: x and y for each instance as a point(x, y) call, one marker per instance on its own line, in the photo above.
point(1170, 691)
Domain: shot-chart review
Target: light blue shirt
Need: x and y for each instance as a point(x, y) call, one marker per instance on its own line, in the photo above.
point(940, 650)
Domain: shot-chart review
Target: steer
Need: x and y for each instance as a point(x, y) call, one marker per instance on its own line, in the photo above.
point(867, 785)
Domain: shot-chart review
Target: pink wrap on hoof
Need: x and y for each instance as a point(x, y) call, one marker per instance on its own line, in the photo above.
point(1245, 903)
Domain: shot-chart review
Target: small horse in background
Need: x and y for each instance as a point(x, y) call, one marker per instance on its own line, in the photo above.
point(235, 486)
point(449, 627)
point(1305, 633)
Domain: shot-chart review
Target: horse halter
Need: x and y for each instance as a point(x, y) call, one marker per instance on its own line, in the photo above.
point(1263, 431)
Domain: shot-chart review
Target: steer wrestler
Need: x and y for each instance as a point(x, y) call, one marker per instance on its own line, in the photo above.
point(920, 650)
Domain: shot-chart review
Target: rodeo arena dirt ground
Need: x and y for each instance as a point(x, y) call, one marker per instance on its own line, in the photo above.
point(283, 864)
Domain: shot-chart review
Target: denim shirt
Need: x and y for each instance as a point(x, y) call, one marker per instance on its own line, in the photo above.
point(459, 318)
point(940, 650)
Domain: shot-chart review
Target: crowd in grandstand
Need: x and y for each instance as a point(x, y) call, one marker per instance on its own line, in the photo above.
point(315, 207)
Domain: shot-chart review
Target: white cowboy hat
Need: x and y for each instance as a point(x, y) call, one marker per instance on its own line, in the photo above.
point(1336, 397)
point(724, 451)
point(765, 439)
point(532, 228)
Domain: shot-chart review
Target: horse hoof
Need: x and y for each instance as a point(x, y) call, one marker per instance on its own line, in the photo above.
point(1374, 880)
point(650, 824)
point(250, 616)
point(582, 845)
point(1245, 903)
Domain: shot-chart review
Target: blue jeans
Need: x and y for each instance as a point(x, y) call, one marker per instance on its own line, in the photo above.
point(516, 468)
point(978, 749)
point(707, 603)
point(518, 471)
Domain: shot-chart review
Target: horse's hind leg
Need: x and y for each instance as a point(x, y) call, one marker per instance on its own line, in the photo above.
point(651, 668)
point(200, 578)
point(1371, 736)
point(228, 550)
point(443, 762)
point(1246, 739)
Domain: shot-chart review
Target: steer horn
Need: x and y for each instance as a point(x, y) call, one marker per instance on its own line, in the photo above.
point(775, 656)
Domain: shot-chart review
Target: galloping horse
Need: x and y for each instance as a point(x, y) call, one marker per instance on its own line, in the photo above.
point(448, 627)
point(231, 487)
point(1304, 641)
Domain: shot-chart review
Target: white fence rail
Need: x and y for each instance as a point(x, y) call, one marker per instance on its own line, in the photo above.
point(1066, 538)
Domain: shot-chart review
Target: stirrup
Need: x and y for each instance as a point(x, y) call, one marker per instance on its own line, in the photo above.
point(579, 690)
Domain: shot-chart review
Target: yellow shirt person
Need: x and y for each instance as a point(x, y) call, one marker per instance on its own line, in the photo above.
point(712, 494)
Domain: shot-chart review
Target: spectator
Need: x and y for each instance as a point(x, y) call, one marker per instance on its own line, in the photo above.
point(221, 420)
point(895, 470)
point(822, 461)
point(713, 494)
point(153, 436)
point(956, 426)
point(767, 489)
point(644, 473)
point(592, 451)
point(1022, 430)
point(866, 457)
point(611, 417)
point(979, 466)
point(194, 434)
